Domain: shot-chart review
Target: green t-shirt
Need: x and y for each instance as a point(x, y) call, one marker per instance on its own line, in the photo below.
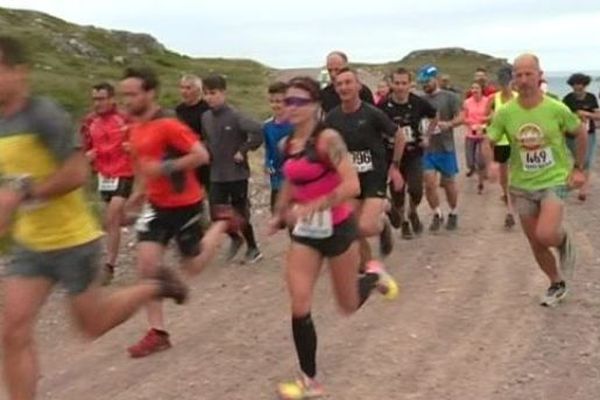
point(539, 157)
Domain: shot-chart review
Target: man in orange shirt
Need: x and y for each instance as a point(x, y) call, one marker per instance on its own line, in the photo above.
point(166, 153)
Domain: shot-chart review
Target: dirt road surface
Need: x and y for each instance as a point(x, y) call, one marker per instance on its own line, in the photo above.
point(467, 326)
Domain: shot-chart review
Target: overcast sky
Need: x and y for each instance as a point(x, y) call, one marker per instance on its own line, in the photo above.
point(299, 33)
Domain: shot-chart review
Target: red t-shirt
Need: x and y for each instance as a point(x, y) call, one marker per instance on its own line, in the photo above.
point(159, 140)
point(106, 133)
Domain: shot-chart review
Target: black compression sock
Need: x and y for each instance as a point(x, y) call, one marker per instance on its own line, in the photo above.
point(366, 284)
point(305, 339)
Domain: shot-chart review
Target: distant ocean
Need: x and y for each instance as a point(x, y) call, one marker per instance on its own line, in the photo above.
point(557, 82)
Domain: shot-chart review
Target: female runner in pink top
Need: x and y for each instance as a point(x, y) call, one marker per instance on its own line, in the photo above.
point(475, 117)
point(314, 202)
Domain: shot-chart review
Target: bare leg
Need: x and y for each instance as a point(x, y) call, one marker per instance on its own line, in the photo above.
point(149, 258)
point(113, 219)
point(23, 299)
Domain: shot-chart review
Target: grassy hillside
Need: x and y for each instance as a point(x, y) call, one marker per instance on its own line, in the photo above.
point(459, 63)
point(68, 58)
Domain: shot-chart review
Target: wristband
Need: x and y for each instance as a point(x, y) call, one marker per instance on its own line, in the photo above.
point(167, 167)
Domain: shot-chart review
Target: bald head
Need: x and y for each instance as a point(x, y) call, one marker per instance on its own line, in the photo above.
point(527, 75)
point(336, 60)
point(528, 60)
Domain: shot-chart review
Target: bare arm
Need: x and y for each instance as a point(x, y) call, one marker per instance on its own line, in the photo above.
point(342, 161)
point(581, 143)
point(399, 145)
point(71, 175)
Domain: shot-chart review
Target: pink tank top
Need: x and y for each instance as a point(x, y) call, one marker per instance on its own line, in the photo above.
point(312, 178)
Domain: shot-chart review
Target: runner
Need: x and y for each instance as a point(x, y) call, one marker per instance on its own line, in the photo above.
point(231, 135)
point(481, 76)
point(336, 61)
point(440, 152)
point(365, 129)
point(382, 93)
point(502, 148)
point(475, 117)
point(56, 239)
point(190, 111)
point(446, 83)
point(276, 129)
point(541, 171)
point(315, 203)
point(166, 153)
point(585, 105)
point(105, 133)
point(407, 110)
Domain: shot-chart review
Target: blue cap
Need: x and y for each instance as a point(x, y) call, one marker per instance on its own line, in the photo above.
point(426, 73)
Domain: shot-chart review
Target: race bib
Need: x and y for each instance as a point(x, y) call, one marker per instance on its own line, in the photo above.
point(535, 160)
point(409, 134)
point(362, 160)
point(107, 184)
point(148, 214)
point(317, 226)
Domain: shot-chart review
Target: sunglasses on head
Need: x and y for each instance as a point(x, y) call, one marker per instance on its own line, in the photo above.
point(296, 101)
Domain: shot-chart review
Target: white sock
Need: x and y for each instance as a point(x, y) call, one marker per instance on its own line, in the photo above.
point(438, 211)
point(453, 211)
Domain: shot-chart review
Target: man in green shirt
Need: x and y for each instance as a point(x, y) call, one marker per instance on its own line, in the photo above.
point(541, 169)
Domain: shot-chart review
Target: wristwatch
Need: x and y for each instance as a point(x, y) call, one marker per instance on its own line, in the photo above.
point(23, 185)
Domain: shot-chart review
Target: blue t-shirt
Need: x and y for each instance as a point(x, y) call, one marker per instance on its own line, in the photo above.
point(274, 133)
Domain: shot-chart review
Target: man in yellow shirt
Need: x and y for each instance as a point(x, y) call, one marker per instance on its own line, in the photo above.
point(55, 237)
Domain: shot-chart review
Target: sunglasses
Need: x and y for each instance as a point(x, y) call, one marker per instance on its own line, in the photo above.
point(296, 101)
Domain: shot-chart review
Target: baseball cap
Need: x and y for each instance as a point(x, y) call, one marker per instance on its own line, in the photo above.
point(426, 73)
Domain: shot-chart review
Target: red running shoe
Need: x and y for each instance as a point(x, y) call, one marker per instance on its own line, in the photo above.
point(153, 342)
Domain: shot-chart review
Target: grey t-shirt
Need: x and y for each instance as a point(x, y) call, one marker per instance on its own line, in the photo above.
point(228, 131)
point(448, 107)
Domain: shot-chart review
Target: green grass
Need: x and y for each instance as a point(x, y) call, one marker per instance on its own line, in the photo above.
point(67, 77)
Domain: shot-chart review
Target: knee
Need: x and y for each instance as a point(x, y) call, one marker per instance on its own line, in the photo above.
point(546, 237)
point(147, 267)
point(369, 227)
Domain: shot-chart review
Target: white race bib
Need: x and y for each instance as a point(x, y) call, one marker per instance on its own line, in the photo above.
point(142, 224)
point(362, 160)
point(408, 133)
point(107, 184)
point(318, 226)
point(535, 160)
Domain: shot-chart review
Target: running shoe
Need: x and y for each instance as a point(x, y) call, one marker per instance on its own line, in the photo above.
point(452, 223)
point(480, 188)
point(302, 388)
point(171, 286)
point(386, 284)
point(470, 173)
point(234, 247)
point(555, 294)
point(386, 243)
point(568, 257)
point(509, 221)
point(153, 342)
point(436, 222)
point(406, 232)
point(415, 222)
point(253, 255)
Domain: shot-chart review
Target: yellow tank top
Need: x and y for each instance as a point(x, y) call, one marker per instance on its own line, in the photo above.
point(498, 104)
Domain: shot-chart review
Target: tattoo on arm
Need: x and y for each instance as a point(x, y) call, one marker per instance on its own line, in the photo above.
point(336, 150)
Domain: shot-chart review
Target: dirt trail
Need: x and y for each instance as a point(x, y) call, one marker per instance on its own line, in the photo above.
point(466, 327)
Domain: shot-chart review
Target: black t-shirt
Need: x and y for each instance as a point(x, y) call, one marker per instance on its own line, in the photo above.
point(192, 116)
point(588, 103)
point(408, 116)
point(330, 99)
point(365, 132)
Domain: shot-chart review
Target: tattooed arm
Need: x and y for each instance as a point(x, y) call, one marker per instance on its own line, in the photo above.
point(332, 144)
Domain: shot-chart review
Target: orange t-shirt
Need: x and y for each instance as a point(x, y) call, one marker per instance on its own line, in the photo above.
point(159, 140)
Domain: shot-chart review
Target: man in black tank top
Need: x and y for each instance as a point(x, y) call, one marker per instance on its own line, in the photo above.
point(366, 129)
